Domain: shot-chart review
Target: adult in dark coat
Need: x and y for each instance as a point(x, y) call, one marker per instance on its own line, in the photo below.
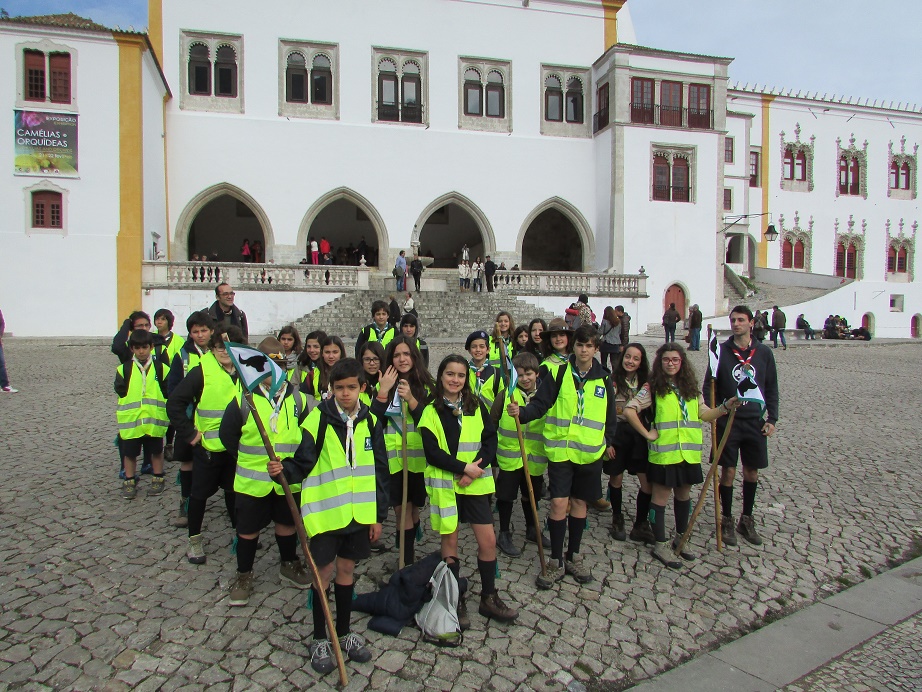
point(224, 310)
point(489, 269)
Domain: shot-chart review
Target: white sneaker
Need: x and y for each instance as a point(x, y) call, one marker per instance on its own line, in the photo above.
point(8, 390)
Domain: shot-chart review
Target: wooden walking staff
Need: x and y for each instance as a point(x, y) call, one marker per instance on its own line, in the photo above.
point(718, 523)
point(402, 536)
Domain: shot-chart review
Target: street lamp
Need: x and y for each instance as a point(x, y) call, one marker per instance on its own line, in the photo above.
point(770, 233)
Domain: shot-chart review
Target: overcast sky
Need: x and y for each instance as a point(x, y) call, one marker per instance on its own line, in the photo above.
point(851, 47)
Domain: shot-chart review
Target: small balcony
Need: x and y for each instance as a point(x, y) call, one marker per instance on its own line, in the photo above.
point(672, 116)
point(600, 120)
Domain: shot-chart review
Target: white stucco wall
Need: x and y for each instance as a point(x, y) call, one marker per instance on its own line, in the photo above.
point(155, 203)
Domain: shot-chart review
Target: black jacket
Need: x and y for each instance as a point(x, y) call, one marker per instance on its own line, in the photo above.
point(120, 344)
point(763, 364)
point(236, 318)
point(489, 267)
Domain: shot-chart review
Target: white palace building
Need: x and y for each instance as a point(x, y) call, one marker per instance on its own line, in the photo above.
point(534, 131)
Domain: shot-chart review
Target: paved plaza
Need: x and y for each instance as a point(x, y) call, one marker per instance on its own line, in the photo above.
point(96, 593)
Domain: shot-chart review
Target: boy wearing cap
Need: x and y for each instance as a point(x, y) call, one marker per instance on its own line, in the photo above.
point(485, 380)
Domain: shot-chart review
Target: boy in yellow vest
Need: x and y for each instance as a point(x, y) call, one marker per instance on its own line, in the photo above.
point(343, 471)
point(141, 412)
point(484, 378)
point(379, 330)
point(579, 429)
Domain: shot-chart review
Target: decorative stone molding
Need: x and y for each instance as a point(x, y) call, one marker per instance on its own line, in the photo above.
point(900, 159)
point(671, 153)
point(563, 128)
point(309, 51)
point(853, 152)
point(404, 62)
point(797, 147)
point(484, 67)
point(47, 47)
point(899, 242)
point(41, 186)
point(849, 237)
point(210, 102)
point(797, 233)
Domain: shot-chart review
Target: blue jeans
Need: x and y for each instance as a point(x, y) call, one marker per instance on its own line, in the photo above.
point(670, 333)
point(695, 339)
point(4, 380)
point(775, 335)
point(401, 282)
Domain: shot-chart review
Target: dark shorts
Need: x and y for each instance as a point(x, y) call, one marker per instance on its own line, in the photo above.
point(210, 471)
point(416, 489)
point(675, 475)
point(474, 509)
point(630, 453)
point(326, 547)
point(510, 483)
point(256, 513)
point(582, 481)
point(182, 450)
point(746, 442)
point(132, 448)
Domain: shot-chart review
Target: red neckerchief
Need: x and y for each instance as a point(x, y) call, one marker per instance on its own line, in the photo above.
point(739, 354)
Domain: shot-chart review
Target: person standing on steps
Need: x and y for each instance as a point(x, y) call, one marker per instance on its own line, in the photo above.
point(416, 269)
point(694, 328)
point(489, 270)
point(670, 319)
point(400, 271)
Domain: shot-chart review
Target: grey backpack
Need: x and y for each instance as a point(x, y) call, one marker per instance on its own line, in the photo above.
point(438, 618)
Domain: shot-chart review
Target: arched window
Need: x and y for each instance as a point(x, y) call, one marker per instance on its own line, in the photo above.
point(788, 164)
point(851, 260)
point(199, 70)
point(46, 209)
point(894, 176)
point(387, 91)
point(800, 166)
point(902, 258)
point(840, 259)
point(855, 186)
point(680, 181)
point(891, 259)
point(473, 92)
point(296, 79)
point(787, 254)
point(904, 182)
point(574, 100)
point(843, 175)
point(225, 72)
point(34, 75)
point(661, 178)
point(411, 84)
point(553, 99)
point(321, 80)
point(496, 95)
point(799, 255)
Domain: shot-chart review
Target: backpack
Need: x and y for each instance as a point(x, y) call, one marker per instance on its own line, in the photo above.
point(438, 618)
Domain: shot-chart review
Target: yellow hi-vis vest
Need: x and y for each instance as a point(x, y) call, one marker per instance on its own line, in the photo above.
point(488, 385)
point(568, 437)
point(678, 440)
point(441, 485)
point(142, 411)
point(393, 441)
point(494, 357)
point(252, 478)
point(218, 391)
point(508, 453)
point(386, 337)
point(174, 347)
point(335, 493)
point(190, 358)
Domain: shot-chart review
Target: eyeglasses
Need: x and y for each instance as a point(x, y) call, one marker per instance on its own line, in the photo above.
point(673, 361)
point(225, 294)
point(222, 349)
point(371, 361)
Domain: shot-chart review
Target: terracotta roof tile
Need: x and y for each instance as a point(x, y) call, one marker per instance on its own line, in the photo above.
point(65, 21)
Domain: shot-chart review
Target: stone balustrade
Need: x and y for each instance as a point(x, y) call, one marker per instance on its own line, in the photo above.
point(254, 277)
point(570, 283)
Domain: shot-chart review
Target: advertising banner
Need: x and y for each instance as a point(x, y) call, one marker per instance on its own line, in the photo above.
point(46, 144)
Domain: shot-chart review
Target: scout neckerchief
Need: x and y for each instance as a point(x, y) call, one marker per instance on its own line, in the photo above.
point(557, 358)
point(349, 420)
point(276, 405)
point(477, 370)
point(198, 350)
point(455, 408)
point(744, 362)
point(143, 367)
point(380, 332)
point(579, 379)
point(528, 396)
point(682, 404)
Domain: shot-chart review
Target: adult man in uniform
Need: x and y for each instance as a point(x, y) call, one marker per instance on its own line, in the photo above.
point(224, 310)
point(740, 357)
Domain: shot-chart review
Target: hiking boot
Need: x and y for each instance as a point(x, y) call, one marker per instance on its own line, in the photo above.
point(577, 570)
point(643, 533)
point(157, 486)
point(663, 553)
point(129, 489)
point(617, 528)
point(378, 546)
point(354, 646)
point(685, 553)
point(241, 589)
point(504, 543)
point(294, 573)
point(747, 529)
point(168, 452)
point(531, 536)
point(600, 505)
point(321, 652)
point(726, 531)
point(492, 607)
point(553, 573)
point(181, 520)
point(464, 620)
point(195, 553)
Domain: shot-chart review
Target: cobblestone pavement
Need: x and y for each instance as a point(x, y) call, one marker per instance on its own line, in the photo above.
point(890, 661)
point(95, 592)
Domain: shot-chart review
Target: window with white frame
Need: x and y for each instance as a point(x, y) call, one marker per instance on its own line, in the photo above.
point(401, 86)
point(45, 76)
point(308, 79)
point(563, 110)
point(486, 87)
point(672, 174)
point(46, 208)
point(211, 72)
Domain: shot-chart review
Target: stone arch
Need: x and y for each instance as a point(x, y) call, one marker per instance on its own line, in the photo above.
point(573, 215)
point(464, 203)
point(362, 203)
point(677, 292)
point(180, 244)
point(869, 323)
point(915, 326)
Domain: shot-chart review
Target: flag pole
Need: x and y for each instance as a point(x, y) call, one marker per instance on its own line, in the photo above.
point(402, 535)
point(717, 521)
point(302, 534)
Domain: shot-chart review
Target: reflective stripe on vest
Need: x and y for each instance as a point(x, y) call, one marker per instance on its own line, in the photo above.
point(140, 414)
point(441, 485)
point(335, 493)
point(218, 390)
point(566, 437)
point(494, 357)
point(678, 440)
point(252, 478)
point(508, 453)
point(388, 335)
point(393, 442)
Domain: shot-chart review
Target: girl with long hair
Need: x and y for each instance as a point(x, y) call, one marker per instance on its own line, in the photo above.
point(536, 329)
point(332, 351)
point(556, 346)
point(519, 340)
point(291, 342)
point(371, 356)
point(505, 325)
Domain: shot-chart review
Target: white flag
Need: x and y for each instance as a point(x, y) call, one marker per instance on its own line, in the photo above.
point(394, 408)
point(713, 352)
point(747, 391)
point(254, 366)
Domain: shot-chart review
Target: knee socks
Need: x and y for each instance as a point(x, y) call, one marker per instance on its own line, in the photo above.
point(246, 553)
point(320, 625)
point(659, 522)
point(229, 506)
point(576, 526)
point(526, 509)
point(343, 595)
point(726, 500)
point(558, 531)
point(409, 547)
point(615, 497)
point(487, 569)
point(288, 547)
point(505, 514)
point(749, 496)
point(643, 507)
point(196, 514)
point(185, 483)
point(681, 509)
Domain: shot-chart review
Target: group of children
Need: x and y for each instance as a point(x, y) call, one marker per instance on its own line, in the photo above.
point(339, 444)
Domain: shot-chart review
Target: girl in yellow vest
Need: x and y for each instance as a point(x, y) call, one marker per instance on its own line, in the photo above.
point(506, 329)
point(332, 351)
point(371, 356)
point(459, 439)
point(405, 374)
point(556, 347)
point(675, 441)
point(310, 359)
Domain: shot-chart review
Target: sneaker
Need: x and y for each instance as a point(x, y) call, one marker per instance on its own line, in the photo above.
point(294, 573)
point(321, 653)
point(531, 536)
point(492, 607)
point(663, 553)
point(504, 543)
point(617, 528)
point(195, 553)
point(643, 533)
point(8, 390)
point(685, 553)
point(354, 646)
point(241, 589)
point(600, 505)
point(726, 531)
point(378, 546)
point(168, 452)
point(577, 570)
point(129, 489)
point(181, 520)
point(747, 529)
point(157, 485)
point(464, 620)
point(553, 573)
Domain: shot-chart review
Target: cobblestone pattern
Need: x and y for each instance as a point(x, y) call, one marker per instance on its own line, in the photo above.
point(890, 661)
point(96, 593)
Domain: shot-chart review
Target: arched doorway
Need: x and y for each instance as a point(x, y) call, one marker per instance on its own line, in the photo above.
point(448, 224)
point(345, 217)
point(215, 223)
point(915, 327)
point(675, 294)
point(555, 236)
point(735, 250)
point(867, 321)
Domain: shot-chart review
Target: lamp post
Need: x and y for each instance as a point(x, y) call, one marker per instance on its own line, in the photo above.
point(771, 234)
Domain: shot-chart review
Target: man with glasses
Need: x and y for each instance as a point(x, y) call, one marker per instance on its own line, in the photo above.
point(224, 311)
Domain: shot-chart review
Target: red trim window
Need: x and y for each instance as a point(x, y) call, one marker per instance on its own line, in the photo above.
point(891, 259)
point(34, 75)
point(905, 177)
point(642, 100)
point(855, 179)
point(699, 106)
point(661, 179)
point(681, 191)
point(894, 176)
point(60, 77)
point(843, 175)
point(728, 150)
point(800, 166)
point(753, 169)
point(902, 258)
point(788, 164)
point(851, 260)
point(787, 255)
point(799, 255)
point(670, 104)
point(900, 176)
point(47, 209)
point(840, 259)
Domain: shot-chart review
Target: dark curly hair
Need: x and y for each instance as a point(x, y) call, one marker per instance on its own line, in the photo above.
point(686, 381)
